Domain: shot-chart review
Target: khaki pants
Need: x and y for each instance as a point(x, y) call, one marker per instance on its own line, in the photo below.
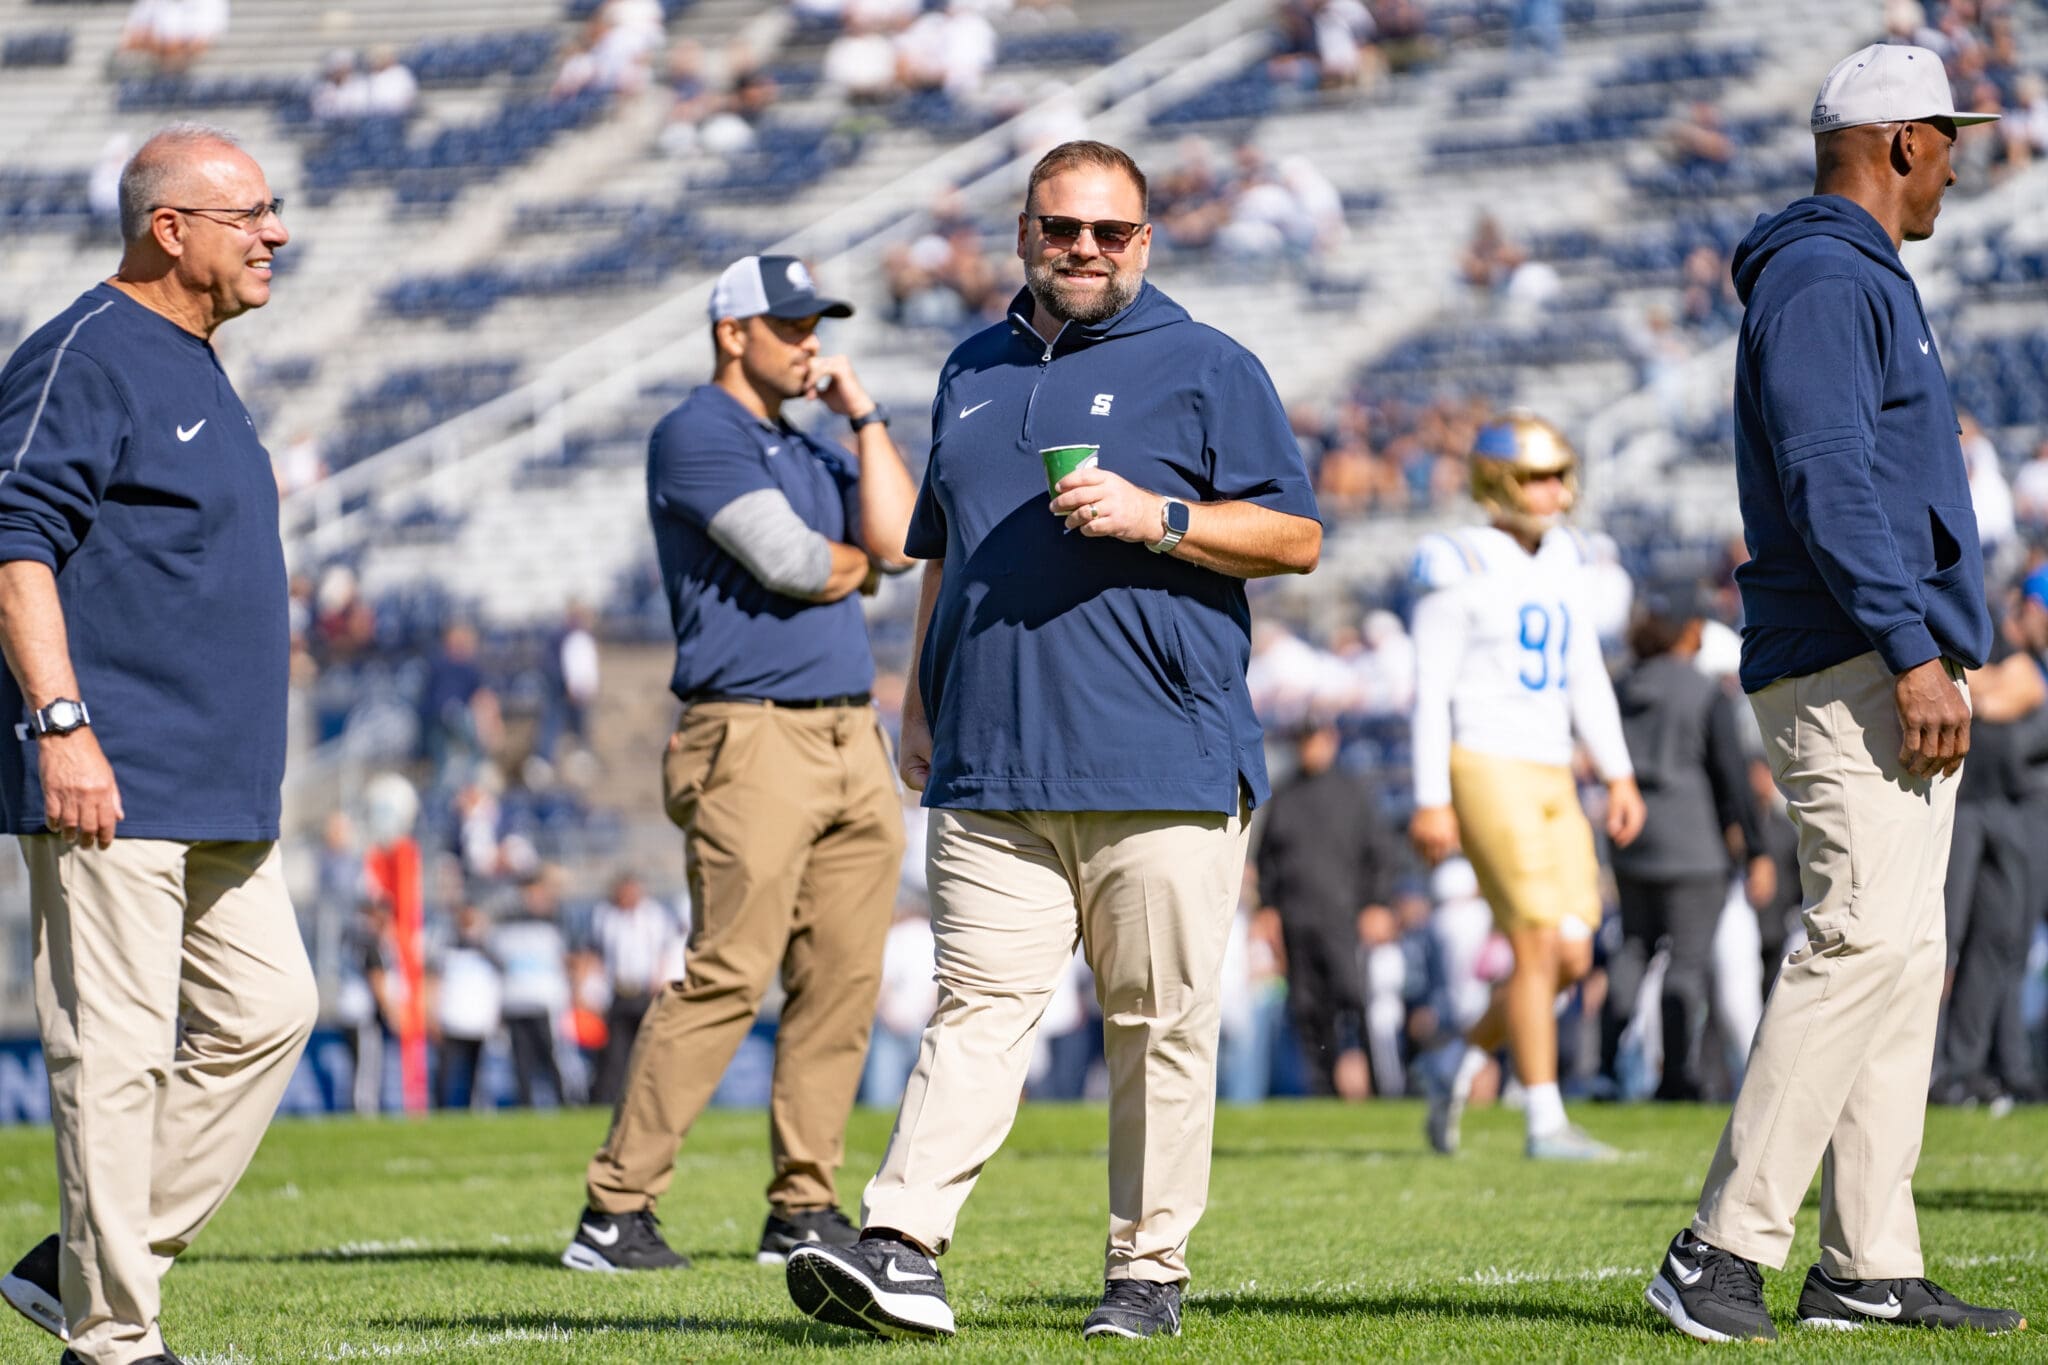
point(155, 1123)
point(793, 841)
point(1839, 1072)
point(1150, 896)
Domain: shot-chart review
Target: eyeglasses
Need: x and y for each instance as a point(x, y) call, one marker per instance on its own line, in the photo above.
point(1109, 234)
point(248, 219)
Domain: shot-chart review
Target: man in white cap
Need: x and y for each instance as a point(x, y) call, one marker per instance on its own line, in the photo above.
point(1864, 603)
point(778, 772)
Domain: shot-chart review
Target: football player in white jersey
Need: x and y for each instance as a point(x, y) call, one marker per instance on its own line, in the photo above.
point(1508, 670)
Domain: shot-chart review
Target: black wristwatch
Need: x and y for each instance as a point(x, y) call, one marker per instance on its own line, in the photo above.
point(60, 717)
point(875, 414)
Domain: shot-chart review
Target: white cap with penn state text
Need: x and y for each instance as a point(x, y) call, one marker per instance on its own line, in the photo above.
point(1887, 83)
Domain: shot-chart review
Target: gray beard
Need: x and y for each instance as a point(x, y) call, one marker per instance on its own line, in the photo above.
point(1048, 290)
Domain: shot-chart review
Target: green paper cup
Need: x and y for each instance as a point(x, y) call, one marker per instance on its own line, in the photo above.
point(1061, 461)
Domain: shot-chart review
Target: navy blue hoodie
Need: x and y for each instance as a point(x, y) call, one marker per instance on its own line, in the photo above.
point(1068, 672)
point(130, 468)
point(1855, 500)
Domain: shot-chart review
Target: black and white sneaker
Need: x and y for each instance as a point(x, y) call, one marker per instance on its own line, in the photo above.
point(784, 1233)
point(1849, 1304)
point(1710, 1294)
point(621, 1241)
point(1137, 1309)
point(31, 1289)
point(878, 1284)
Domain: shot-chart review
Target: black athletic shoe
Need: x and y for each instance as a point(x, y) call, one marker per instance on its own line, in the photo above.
point(31, 1289)
point(1710, 1294)
point(1135, 1308)
point(784, 1233)
point(877, 1285)
point(1848, 1304)
point(621, 1241)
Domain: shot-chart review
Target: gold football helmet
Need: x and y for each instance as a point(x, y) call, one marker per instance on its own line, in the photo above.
point(1509, 451)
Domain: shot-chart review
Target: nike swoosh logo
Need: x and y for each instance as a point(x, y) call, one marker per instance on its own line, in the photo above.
point(187, 433)
point(969, 412)
point(895, 1274)
point(1923, 351)
point(1686, 1277)
point(604, 1237)
point(1890, 1308)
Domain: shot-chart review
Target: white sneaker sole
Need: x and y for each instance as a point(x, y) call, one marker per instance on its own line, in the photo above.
point(1661, 1296)
point(1834, 1324)
point(31, 1302)
point(831, 1291)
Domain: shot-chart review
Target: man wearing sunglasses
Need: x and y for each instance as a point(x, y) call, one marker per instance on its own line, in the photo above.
point(143, 615)
point(778, 771)
point(1081, 733)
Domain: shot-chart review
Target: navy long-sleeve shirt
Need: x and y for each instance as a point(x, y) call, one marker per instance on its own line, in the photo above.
point(129, 466)
point(1855, 500)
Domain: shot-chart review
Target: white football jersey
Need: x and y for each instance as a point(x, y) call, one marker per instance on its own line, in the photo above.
point(1507, 658)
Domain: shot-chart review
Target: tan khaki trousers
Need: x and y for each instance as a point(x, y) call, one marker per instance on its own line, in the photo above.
point(1839, 1072)
point(1149, 895)
point(155, 1123)
point(793, 843)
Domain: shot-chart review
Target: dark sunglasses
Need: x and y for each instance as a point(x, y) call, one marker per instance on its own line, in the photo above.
point(1109, 234)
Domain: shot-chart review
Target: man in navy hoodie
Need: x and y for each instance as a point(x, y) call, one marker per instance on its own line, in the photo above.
point(1081, 732)
point(1864, 603)
point(143, 613)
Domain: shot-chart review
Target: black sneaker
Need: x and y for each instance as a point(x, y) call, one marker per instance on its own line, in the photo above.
point(1710, 1294)
point(784, 1233)
point(1135, 1308)
point(621, 1241)
point(1848, 1304)
point(31, 1288)
point(878, 1285)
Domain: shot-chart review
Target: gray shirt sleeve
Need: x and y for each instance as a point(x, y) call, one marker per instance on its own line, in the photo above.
point(763, 532)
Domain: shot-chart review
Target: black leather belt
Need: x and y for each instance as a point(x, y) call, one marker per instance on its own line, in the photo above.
point(807, 704)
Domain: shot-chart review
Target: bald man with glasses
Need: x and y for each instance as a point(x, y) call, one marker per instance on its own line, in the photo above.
point(143, 616)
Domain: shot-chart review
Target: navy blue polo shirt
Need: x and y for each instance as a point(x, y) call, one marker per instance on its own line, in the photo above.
point(130, 468)
point(734, 634)
point(1067, 672)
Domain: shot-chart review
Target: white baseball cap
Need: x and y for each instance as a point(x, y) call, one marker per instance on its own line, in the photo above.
point(1887, 83)
point(777, 286)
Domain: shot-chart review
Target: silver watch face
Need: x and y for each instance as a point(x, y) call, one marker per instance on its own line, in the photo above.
point(63, 715)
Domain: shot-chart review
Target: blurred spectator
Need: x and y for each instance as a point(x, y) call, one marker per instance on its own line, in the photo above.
point(340, 94)
point(691, 98)
point(950, 50)
point(468, 997)
point(1328, 43)
point(1490, 259)
point(1990, 495)
point(1684, 736)
point(1254, 1004)
point(1324, 857)
point(459, 717)
point(1384, 981)
point(173, 34)
point(1190, 203)
point(639, 942)
point(366, 1001)
point(103, 183)
point(1699, 138)
point(299, 465)
point(731, 130)
point(2030, 491)
point(1709, 303)
point(910, 993)
point(390, 90)
point(573, 678)
point(861, 62)
point(533, 956)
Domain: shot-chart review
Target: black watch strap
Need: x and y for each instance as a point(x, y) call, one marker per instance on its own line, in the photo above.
point(875, 414)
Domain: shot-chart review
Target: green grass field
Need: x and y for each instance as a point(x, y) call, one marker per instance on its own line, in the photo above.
point(1331, 1234)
